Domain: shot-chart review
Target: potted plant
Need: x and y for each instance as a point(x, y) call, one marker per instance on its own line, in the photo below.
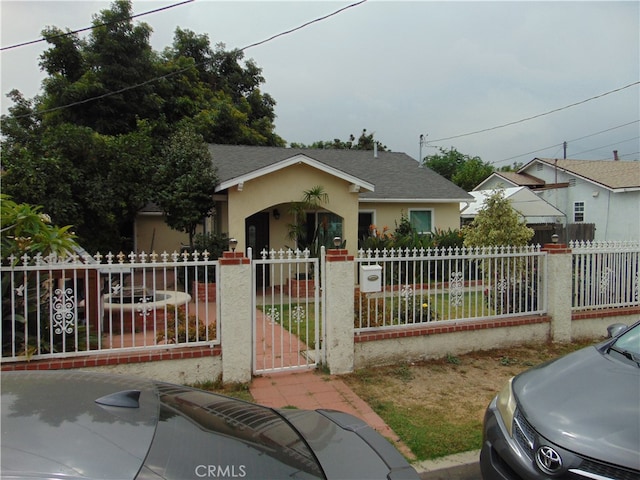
point(202, 278)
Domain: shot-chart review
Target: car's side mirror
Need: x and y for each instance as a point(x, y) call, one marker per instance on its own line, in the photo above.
point(616, 329)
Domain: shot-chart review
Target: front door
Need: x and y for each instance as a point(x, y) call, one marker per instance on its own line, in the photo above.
point(257, 235)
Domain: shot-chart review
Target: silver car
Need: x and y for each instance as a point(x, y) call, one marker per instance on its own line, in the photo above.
point(577, 417)
point(72, 425)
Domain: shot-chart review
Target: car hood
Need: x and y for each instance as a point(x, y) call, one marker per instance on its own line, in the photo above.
point(586, 402)
point(42, 434)
point(338, 438)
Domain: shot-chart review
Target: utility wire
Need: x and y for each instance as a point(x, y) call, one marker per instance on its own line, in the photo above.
point(605, 146)
point(535, 116)
point(568, 141)
point(155, 79)
point(44, 39)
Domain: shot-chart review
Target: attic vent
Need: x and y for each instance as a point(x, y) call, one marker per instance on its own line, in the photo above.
point(572, 182)
point(539, 167)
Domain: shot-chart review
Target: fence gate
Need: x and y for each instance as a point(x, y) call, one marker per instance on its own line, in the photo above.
point(287, 322)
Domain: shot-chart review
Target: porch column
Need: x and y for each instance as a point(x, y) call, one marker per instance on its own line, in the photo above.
point(235, 317)
point(339, 291)
point(559, 274)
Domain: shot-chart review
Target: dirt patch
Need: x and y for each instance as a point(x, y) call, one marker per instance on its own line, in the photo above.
point(436, 407)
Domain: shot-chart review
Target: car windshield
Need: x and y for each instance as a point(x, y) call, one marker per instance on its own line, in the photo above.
point(629, 343)
point(204, 435)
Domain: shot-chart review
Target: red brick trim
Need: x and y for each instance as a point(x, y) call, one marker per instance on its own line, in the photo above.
point(555, 248)
point(339, 255)
point(609, 312)
point(438, 328)
point(233, 258)
point(115, 359)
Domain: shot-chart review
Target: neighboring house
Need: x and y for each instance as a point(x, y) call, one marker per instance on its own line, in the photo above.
point(538, 214)
point(604, 193)
point(533, 209)
point(258, 184)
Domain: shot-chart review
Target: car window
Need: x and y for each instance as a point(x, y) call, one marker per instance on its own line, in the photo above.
point(203, 435)
point(630, 341)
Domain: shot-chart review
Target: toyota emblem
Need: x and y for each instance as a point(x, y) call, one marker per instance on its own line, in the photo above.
point(548, 460)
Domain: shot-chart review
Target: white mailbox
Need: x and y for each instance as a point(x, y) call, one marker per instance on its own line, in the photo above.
point(370, 278)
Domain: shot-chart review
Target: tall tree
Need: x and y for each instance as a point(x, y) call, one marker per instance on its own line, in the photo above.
point(463, 170)
point(471, 173)
point(186, 181)
point(86, 147)
point(365, 141)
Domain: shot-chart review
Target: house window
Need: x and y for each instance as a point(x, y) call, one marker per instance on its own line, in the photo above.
point(421, 220)
point(578, 212)
point(321, 228)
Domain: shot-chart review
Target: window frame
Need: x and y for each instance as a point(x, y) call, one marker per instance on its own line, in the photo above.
point(578, 211)
point(430, 211)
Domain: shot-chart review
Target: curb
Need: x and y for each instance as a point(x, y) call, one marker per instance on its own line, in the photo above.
point(461, 466)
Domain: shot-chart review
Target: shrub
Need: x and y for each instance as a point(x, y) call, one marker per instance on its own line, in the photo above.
point(188, 330)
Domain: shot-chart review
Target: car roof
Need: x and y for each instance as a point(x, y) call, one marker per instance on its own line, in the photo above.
point(43, 432)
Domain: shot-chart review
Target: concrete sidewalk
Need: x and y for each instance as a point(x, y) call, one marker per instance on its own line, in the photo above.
point(308, 389)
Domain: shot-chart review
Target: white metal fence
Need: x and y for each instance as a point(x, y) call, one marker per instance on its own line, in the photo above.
point(605, 274)
point(287, 323)
point(426, 285)
point(53, 307)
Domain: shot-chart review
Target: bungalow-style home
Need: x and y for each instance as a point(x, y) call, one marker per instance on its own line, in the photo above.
point(257, 186)
point(601, 194)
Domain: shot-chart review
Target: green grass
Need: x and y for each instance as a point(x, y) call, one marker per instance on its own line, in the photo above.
point(297, 318)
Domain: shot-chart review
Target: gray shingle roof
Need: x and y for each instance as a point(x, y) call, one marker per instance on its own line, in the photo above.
point(609, 173)
point(396, 176)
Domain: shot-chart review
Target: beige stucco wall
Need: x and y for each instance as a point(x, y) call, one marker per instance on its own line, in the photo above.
point(425, 347)
point(153, 234)
point(445, 215)
point(281, 188)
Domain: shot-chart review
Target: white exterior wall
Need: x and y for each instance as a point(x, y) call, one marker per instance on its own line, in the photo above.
point(615, 214)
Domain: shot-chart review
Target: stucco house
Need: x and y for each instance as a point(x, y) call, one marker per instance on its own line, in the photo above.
point(258, 184)
point(605, 193)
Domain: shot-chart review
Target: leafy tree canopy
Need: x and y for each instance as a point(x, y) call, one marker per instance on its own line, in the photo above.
point(463, 170)
point(497, 224)
point(27, 230)
point(365, 142)
point(186, 181)
point(87, 147)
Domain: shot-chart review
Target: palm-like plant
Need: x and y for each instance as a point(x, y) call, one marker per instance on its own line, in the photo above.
point(312, 201)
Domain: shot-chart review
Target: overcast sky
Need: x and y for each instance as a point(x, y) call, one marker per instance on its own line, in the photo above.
point(405, 69)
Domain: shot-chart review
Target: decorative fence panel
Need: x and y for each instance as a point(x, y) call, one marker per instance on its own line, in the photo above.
point(605, 274)
point(287, 314)
point(427, 285)
point(61, 307)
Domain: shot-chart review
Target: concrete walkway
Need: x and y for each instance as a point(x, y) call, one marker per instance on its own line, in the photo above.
point(312, 390)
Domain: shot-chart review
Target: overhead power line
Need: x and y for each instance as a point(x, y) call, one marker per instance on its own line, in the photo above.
point(177, 72)
point(44, 39)
point(561, 144)
point(535, 116)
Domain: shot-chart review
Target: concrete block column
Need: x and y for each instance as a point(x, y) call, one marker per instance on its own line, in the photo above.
point(559, 275)
point(235, 317)
point(339, 290)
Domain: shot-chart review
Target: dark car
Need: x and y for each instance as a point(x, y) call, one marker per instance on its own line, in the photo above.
point(577, 417)
point(73, 425)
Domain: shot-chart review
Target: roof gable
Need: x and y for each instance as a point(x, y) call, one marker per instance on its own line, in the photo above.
point(611, 174)
point(358, 183)
point(385, 177)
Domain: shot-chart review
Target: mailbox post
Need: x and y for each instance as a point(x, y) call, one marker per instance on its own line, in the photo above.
point(370, 278)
